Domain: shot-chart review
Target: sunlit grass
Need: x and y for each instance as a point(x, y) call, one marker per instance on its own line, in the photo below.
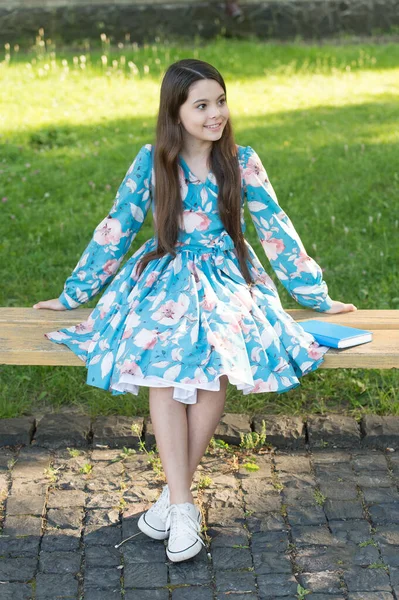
point(322, 118)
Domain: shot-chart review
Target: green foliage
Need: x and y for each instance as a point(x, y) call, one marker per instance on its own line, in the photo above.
point(204, 482)
point(302, 592)
point(252, 440)
point(251, 466)
point(217, 443)
point(87, 468)
point(319, 497)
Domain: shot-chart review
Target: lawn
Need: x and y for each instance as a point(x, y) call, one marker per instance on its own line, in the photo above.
point(324, 120)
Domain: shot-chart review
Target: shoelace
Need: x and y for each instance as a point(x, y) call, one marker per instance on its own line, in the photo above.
point(183, 524)
point(162, 503)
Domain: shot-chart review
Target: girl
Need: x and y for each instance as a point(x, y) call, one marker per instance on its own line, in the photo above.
point(193, 308)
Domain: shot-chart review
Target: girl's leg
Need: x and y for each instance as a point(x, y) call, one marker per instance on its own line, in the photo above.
point(203, 418)
point(169, 420)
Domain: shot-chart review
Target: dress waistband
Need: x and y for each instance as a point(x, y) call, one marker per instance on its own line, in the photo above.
point(218, 255)
point(217, 249)
point(218, 244)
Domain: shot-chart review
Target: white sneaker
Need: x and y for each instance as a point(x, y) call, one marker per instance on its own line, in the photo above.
point(184, 521)
point(153, 521)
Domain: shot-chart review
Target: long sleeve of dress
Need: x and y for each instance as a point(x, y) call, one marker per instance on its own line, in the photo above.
point(298, 272)
point(113, 235)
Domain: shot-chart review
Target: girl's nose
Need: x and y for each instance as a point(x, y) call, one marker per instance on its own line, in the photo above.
point(215, 114)
point(215, 110)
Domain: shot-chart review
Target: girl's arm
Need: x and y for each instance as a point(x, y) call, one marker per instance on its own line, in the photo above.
point(113, 235)
point(298, 272)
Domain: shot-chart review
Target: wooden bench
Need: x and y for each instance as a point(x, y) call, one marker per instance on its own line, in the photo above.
point(22, 341)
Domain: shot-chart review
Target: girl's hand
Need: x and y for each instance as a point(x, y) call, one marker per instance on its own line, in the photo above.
point(54, 304)
point(339, 307)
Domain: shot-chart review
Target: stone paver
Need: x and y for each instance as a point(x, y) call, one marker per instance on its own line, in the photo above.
point(330, 430)
point(116, 431)
point(75, 429)
point(313, 517)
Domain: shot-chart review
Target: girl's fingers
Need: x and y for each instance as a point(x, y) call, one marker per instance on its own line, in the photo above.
point(54, 304)
point(350, 307)
point(339, 307)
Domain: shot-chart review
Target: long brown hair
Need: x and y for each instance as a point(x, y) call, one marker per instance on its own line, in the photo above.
point(223, 162)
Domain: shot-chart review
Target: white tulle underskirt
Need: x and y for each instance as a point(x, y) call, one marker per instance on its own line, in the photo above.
point(182, 392)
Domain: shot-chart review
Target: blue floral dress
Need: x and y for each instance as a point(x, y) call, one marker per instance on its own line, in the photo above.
point(190, 319)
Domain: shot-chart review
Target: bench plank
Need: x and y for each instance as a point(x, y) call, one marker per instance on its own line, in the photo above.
point(363, 319)
point(22, 340)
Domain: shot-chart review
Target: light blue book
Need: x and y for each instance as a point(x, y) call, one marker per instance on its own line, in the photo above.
point(336, 336)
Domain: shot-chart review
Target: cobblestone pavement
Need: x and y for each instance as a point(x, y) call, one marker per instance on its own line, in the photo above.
point(319, 521)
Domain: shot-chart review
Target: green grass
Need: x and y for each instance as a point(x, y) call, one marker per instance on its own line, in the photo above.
point(323, 118)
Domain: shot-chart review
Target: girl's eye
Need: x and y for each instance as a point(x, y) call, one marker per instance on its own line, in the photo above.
point(223, 100)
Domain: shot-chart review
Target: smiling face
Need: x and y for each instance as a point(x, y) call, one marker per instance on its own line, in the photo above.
point(205, 106)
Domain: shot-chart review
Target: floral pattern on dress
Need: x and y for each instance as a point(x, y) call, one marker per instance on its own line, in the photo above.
point(191, 318)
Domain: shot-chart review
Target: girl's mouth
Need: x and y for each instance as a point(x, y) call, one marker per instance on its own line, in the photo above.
point(213, 127)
